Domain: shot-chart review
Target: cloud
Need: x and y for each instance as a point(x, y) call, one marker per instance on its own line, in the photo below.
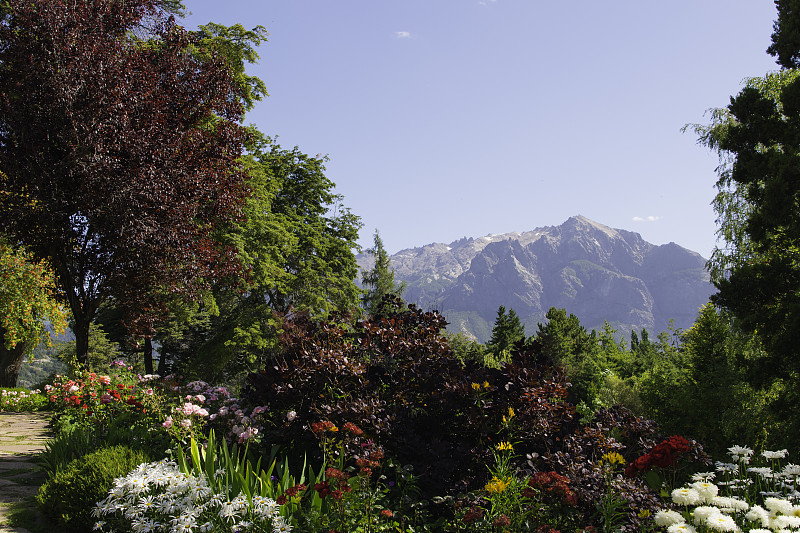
point(649, 218)
point(486, 2)
point(402, 34)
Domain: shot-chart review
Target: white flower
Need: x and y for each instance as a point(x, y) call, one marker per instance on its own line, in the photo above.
point(785, 522)
point(764, 471)
point(703, 476)
point(727, 467)
point(730, 504)
point(778, 505)
point(780, 454)
point(721, 522)
point(706, 490)
point(667, 517)
point(685, 496)
point(683, 527)
point(701, 514)
point(739, 451)
point(279, 526)
point(791, 470)
point(758, 514)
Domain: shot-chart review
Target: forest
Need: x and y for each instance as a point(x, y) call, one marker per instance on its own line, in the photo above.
point(228, 374)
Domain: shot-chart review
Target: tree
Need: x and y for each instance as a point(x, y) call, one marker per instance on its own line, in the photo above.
point(120, 154)
point(757, 269)
point(380, 281)
point(507, 330)
point(297, 242)
point(26, 306)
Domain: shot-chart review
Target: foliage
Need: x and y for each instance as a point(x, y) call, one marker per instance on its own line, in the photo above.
point(119, 154)
point(506, 332)
point(27, 304)
point(69, 495)
point(397, 378)
point(381, 288)
point(758, 207)
point(297, 244)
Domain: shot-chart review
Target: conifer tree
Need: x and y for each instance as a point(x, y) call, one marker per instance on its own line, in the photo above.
point(379, 281)
point(507, 330)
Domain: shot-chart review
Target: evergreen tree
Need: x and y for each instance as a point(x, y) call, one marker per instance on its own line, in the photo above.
point(380, 281)
point(506, 332)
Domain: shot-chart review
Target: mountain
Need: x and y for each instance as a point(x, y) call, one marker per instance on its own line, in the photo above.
point(595, 272)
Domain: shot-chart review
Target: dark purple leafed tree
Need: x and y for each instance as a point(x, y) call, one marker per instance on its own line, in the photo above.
point(119, 153)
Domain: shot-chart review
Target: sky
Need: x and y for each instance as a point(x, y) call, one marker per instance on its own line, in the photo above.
point(445, 119)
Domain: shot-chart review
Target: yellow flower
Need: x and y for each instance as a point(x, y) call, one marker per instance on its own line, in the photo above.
point(476, 387)
point(334, 429)
point(505, 446)
point(612, 458)
point(511, 413)
point(485, 384)
point(644, 513)
point(496, 485)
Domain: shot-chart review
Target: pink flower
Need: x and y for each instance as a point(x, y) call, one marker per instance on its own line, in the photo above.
point(149, 392)
point(186, 423)
point(167, 423)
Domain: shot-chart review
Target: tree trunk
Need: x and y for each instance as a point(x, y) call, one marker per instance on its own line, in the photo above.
point(148, 355)
point(81, 331)
point(10, 362)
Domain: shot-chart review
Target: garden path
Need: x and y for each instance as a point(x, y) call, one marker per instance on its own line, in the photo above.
point(22, 437)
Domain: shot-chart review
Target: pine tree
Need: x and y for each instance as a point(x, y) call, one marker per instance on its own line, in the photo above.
point(507, 330)
point(379, 281)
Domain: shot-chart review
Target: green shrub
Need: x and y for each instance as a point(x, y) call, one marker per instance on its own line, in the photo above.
point(69, 444)
point(70, 494)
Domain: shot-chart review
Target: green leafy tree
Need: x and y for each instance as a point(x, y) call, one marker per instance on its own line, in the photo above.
point(757, 267)
point(27, 304)
point(507, 330)
point(120, 152)
point(379, 281)
point(297, 242)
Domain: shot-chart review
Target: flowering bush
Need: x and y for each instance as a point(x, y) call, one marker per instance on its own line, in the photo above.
point(759, 498)
point(17, 400)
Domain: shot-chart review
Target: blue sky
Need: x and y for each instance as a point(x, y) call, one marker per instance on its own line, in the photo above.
point(452, 118)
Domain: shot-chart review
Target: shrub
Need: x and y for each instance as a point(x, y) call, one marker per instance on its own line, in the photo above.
point(70, 494)
point(398, 380)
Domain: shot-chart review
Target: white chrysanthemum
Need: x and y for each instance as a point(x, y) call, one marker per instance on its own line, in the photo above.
point(734, 504)
point(791, 470)
point(785, 522)
point(701, 514)
point(780, 454)
point(778, 505)
point(703, 476)
point(667, 517)
point(764, 471)
point(683, 527)
point(721, 522)
point(727, 467)
point(279, 526)
point(706, 490)
point(740, 451)
point(685, 496)
point(760, 530)
point(758, 514)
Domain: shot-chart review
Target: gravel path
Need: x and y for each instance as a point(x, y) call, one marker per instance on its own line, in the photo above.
point(22, 437)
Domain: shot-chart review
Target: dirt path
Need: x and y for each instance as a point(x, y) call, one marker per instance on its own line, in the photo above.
point(22, 437)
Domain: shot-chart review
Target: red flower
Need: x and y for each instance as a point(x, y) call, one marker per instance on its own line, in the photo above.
point(387, 513)
point(281, 500)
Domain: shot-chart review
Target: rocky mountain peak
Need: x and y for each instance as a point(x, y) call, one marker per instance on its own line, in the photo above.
point(594, 271)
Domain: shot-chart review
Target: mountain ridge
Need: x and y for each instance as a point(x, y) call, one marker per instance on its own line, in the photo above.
point(597, 272)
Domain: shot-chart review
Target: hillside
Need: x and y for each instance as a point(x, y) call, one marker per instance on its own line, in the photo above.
point(596, 272)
